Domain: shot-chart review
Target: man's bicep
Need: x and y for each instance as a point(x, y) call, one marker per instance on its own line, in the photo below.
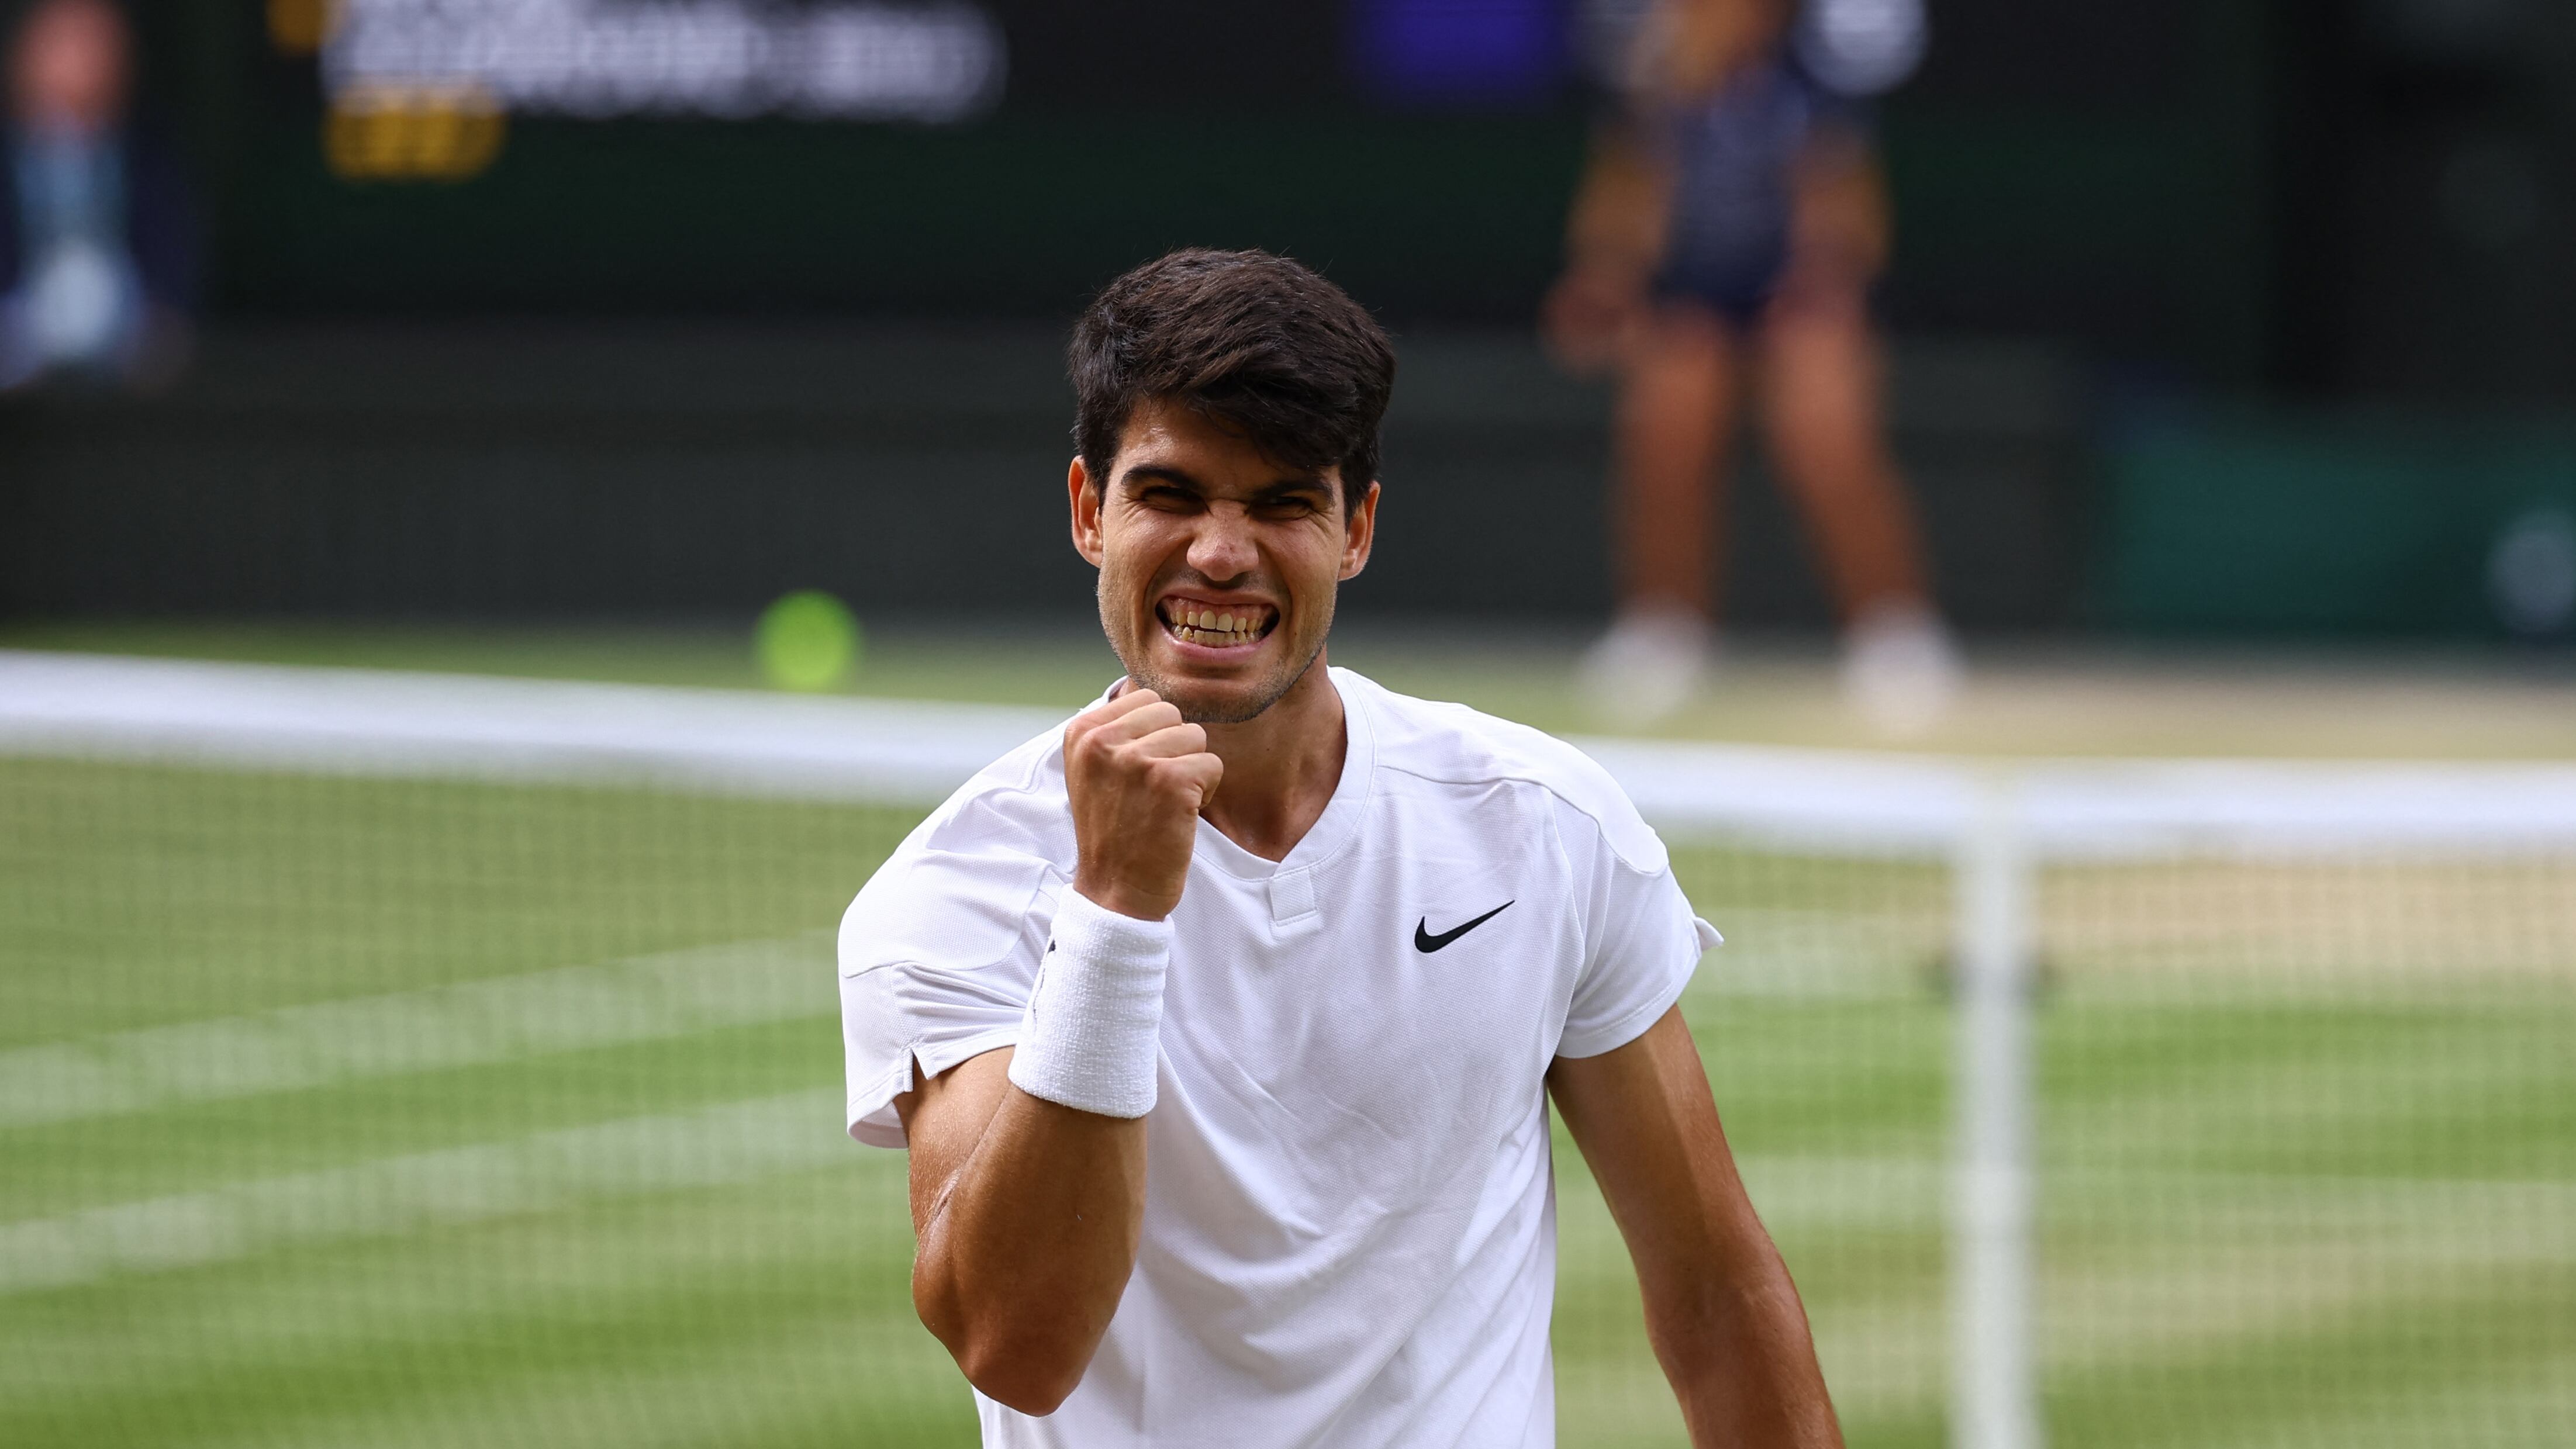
point(1648, 1127)
point(943, 1118)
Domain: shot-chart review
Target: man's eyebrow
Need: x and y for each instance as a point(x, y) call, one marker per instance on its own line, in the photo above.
point(1297, 483)
point(1160, 473)
point(1164, 473)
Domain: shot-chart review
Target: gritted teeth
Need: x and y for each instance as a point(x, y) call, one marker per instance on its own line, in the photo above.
point(1217, 625)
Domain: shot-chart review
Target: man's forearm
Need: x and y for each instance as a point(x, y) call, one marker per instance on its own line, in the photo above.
point(1028, 1245)
point(1743, 1364)
point(1024, 1258)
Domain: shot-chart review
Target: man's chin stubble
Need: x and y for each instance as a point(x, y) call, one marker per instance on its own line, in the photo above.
point(1233, 712)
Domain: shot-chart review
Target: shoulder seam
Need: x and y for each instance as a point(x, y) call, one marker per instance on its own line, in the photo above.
point(1535, 781)
point(1494, 760)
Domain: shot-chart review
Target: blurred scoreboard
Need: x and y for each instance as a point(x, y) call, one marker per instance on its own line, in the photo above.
point(2061, 170)
point(716, 59)
point(1001, 155)
point(944, 61)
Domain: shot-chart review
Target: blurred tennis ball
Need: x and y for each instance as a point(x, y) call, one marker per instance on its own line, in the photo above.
point(807, 641)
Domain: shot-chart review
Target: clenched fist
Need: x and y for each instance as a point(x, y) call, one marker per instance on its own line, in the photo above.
point(1138, 777)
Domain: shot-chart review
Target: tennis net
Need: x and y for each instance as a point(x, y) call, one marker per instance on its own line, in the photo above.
point(407, 1059)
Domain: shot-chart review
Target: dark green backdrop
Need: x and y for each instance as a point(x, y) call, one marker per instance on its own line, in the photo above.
point(2139, 203)
point(2087, 170)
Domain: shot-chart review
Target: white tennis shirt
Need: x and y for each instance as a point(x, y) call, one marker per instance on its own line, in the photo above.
point(1350, 1219)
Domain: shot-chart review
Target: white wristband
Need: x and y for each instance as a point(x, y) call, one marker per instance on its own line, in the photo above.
point(1092, 1034)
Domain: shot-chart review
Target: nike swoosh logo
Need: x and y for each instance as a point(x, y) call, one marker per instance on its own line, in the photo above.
point(1427, 943)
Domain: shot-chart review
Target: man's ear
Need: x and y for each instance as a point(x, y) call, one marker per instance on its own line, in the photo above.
point(1359, 533)
point(1084, 499)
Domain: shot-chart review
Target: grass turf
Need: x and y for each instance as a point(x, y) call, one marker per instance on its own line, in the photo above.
point(2324, 1192)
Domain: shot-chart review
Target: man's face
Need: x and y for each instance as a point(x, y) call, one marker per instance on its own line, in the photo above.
point(1217, 566)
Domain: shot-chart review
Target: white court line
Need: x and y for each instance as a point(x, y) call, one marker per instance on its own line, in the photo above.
point(732, 1143)
point(291, 1048)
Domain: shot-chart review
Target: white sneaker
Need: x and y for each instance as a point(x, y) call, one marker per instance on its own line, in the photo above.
point(1647, 667)
point(1900, 669)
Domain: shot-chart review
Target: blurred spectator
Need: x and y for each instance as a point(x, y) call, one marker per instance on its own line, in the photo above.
point(95, 257)
point(1728, 230)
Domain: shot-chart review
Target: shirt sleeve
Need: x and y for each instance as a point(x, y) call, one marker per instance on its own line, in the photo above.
point(1642, 940)
point(937, 955)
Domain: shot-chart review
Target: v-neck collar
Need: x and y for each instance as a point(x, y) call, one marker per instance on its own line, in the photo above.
point(1341, 818)
point(1339, 823)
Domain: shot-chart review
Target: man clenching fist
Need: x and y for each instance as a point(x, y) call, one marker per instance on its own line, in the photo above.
point(1138, 776)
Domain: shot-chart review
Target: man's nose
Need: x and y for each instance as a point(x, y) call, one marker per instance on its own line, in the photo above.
point(1223, 547)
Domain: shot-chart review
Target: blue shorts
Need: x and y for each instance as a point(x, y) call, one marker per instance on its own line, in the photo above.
point(1727, 243)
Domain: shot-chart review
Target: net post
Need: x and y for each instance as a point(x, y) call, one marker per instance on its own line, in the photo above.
point(1994, 1400)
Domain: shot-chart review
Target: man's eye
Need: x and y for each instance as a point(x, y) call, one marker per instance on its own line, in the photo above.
point(1288, 507)
point(1165, 498)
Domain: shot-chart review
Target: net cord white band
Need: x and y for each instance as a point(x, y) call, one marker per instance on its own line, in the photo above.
point(1835, 802)
point(1091, 1038)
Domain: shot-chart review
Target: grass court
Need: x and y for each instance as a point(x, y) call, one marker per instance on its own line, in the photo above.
point(350, 1111)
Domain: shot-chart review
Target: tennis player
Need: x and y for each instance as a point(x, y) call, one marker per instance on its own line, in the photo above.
point(1221, 1024)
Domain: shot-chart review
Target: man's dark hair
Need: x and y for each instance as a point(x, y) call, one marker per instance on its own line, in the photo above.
point(1256, 342)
